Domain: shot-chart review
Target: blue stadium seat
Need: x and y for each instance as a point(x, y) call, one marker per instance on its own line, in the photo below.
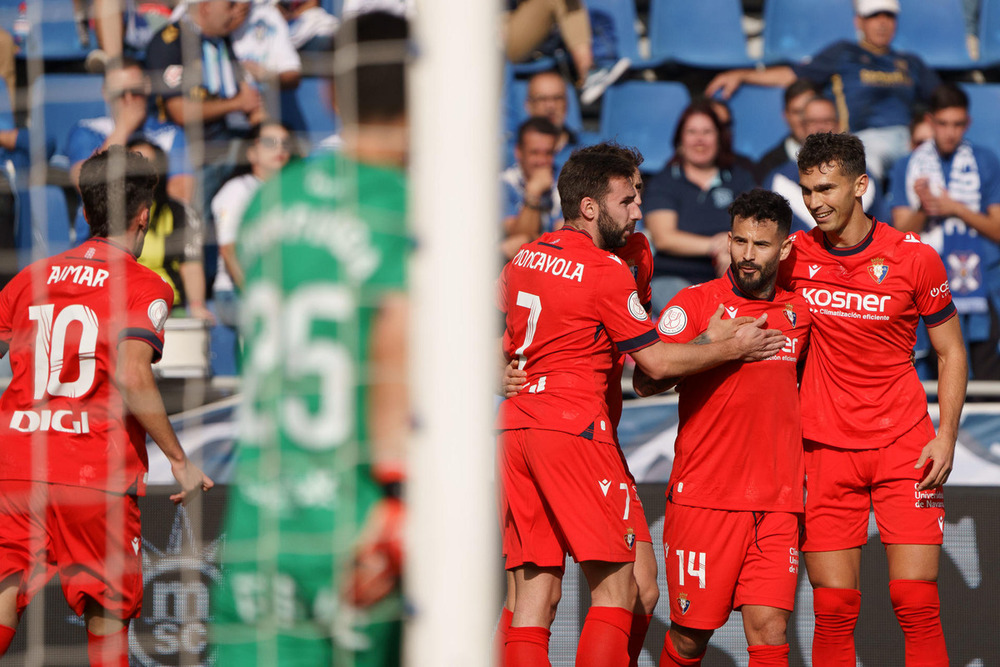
point(306, 110)
point(6, 113)
point(935, 31)
point(53, 34)
point(984, 109)
point(989, 33)
point(43, 224)
point(56, 101)
point(622, 12)
point(703, 33)
point(790, 28)
point(758, 123)
point(644, 114)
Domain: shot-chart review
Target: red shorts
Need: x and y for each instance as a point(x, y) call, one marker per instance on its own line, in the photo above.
point(565, 494)
point(718, 560)
point(90, 537)
point(843, 484)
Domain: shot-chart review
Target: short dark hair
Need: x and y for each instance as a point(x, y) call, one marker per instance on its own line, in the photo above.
point(115, 185)
point(797, 87)
point(760, 204)
point(589, 174)
point(630, 153)
point(724, 158)
point(844, 150)
point(370, 57)
point(947, 96)
point(539, 124)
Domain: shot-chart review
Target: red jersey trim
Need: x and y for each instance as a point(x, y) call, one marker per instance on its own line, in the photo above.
point(135, 333)
point(941, 316)
point(854, 249)
point(639, 342)
point(101, 239)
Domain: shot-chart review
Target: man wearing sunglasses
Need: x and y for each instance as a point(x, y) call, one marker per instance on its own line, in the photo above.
point(126, 92)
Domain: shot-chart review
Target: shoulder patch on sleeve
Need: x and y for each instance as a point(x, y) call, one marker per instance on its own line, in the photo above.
point(672, 321)
point(635, 307)
point(158, 312)
point(172, 75)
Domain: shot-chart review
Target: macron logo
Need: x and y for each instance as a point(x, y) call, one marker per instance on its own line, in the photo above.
point(732, 312)
point(135, 545)
point(605, 485)
point(814, 269)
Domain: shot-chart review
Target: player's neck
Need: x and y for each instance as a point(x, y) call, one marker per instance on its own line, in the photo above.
point(581, 226)
point(854, 232)
point(382, 144)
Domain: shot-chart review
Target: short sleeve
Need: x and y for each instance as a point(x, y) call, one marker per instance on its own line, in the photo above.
point(897, 192)
point(164, 63)
point(149, 308)
point(283, 55)
point(7, 297)
point(644, 275)
point(620, 310)
point(931, 290)
point(511, 201)
point(178, 162)
point(681, 319)
point(659, 193)
point(81, 144)
point(823, 65)
point(227, 210)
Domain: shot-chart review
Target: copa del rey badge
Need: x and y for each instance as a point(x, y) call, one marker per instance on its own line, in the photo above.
point(878, 270)
point(789, 314)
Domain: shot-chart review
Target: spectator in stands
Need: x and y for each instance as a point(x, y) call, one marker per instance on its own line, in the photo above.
point(686, 204)
point(818, 115)
point(797, 95)
point(530, 199)
point(268, 149)
point(949, 190)
point(265, 49)
point(174, 240)
point(548, 97)
point(311, 27)
point(876, 84)
point(8, 70)
point(725, 115)
point(126, 91)
point(207, 94)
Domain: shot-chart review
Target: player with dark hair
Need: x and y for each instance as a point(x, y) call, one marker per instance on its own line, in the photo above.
point(734, 498)
point(314, 546)
point(83, 329)
point(869, 442)
point(570, 305)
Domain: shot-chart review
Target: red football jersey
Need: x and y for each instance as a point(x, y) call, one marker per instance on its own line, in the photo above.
point(569, 306)
point(62, 419)
point(739, 439)
point(638, 257)
point(859, 388)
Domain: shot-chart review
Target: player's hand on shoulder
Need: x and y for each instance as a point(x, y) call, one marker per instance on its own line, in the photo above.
point(757, 343)
point(378, 556)
point(192, 481)
point(513, 379)
point(941, 452)
point(720, 329)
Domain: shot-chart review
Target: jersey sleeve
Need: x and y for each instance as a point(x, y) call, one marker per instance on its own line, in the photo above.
point(149, 307)
point(81, 144)
point(227, 210)
point(164, 63)
point(644, 274)
point(931, 291)
point(620, 311)
point(179, 163)
point(823, 66)
point(681, 319)
point(7, 297)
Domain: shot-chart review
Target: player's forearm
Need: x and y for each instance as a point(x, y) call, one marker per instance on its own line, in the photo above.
point(528, 222)
point(644, 386)
point(953, 373)
point(143, 401)
point(193, 278)
point(388, 394)
point(685, 244)
point(671, 360)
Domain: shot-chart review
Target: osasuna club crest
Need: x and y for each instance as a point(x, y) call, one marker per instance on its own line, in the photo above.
point(629, 538)
point(878, 270)
point(683, 602)
point(789, 314)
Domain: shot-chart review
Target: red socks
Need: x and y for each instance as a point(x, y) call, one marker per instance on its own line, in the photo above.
point(669, 657)
point(636, 636)
point(918, 611)
point(108, 650)
point(836, 611)
point(527, 647)
point(500, 638)
point(768, 656)
point(604, 638)
point(6, 637)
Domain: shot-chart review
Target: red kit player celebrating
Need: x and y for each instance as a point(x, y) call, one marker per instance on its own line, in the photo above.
point(83, 329)
point(734, 498)
point(569, 304)
point(638, 257)
point(868, 439)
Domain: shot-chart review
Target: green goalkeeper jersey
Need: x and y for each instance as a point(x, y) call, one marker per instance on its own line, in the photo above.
point(321, 245)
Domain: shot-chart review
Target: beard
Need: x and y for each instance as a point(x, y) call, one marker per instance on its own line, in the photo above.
point(611, 235)
point(760, 285)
